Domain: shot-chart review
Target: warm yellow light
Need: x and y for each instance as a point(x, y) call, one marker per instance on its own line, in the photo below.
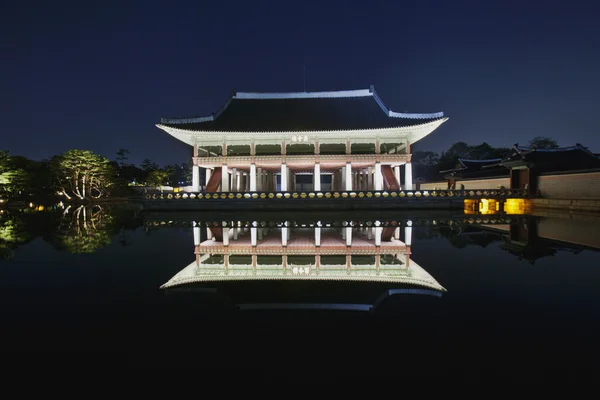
point(515, 206)
point(470, 206)
point(488, 206)
point(40, 208)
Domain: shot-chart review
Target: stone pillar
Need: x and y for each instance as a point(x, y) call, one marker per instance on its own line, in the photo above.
point(234, 179)
point(348, 236)
point(259, 186)
point(343, 179)
point(224, 178)
point(408, 179)
point(317, 178)
point(378, 230)
point(225, 236)
point(408, 233)
point(239, 181)
point(397, 233)
point(284, 177)
point(195, 178)
point(196, 229)
point(284, 235)
point(378, 178)
point(318, 236)
point(253, 177)
point(348, 177)
point(253, 234)
point(370, 178)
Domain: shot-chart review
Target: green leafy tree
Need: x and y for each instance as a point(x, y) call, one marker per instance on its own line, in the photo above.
point(149, 165)
point(542, 142)
point(425, 164)
point(157, 178)
point(122, 156)
point(13, 180)
point(83, 174)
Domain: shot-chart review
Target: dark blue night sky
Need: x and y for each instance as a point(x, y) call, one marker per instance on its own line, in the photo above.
point(99, 75)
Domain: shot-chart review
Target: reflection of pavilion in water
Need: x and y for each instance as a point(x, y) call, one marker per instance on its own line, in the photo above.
point(245, 251)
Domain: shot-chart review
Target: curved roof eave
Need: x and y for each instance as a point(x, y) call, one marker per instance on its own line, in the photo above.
point(417, 132)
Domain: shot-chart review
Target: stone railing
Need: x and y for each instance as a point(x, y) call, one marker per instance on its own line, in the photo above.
point(342, 195)
point(498, 219)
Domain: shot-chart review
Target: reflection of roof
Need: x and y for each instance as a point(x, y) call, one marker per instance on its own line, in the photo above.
point(303, 111)
point(527, 251)
point(414, 275)
point(349, 298)
point(337, 306)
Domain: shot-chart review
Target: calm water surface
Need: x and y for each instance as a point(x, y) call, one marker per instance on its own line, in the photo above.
point(446, 291)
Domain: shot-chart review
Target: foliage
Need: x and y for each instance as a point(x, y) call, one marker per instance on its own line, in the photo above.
point(83, 174)
point(425, 163)
point(13, 180)
point(157, 178)
point(149, 165)
point(83, 230)
point(12, 233)
point(542, 142)
point(122, 156)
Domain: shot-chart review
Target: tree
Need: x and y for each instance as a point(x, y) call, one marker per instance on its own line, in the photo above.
point(425, 164)
point(149, 165)
point(13, 180)
point(542, 142)
point(157, 178)
point(122, 157)
point(83, 174)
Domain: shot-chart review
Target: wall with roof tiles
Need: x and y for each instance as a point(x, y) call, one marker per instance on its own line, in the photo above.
point(570, 186)
point(490, 183)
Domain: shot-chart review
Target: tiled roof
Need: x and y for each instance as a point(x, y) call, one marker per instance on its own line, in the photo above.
point(558, 159)
point(304, 111)
point(470, 165)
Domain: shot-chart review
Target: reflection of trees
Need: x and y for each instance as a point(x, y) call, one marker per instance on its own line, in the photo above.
point(12, 233)
point(461, 236)
point(83, 229)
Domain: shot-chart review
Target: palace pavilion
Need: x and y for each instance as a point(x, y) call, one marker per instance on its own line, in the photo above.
point(304, 141)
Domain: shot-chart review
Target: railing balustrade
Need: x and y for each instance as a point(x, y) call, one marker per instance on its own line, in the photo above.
point(500, 219)
point(354, 194)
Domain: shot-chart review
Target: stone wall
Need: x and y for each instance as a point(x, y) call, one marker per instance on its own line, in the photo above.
point(570, 186)
point(489, 183)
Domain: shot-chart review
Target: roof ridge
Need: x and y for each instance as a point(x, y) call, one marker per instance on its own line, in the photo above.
point(301, 95)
